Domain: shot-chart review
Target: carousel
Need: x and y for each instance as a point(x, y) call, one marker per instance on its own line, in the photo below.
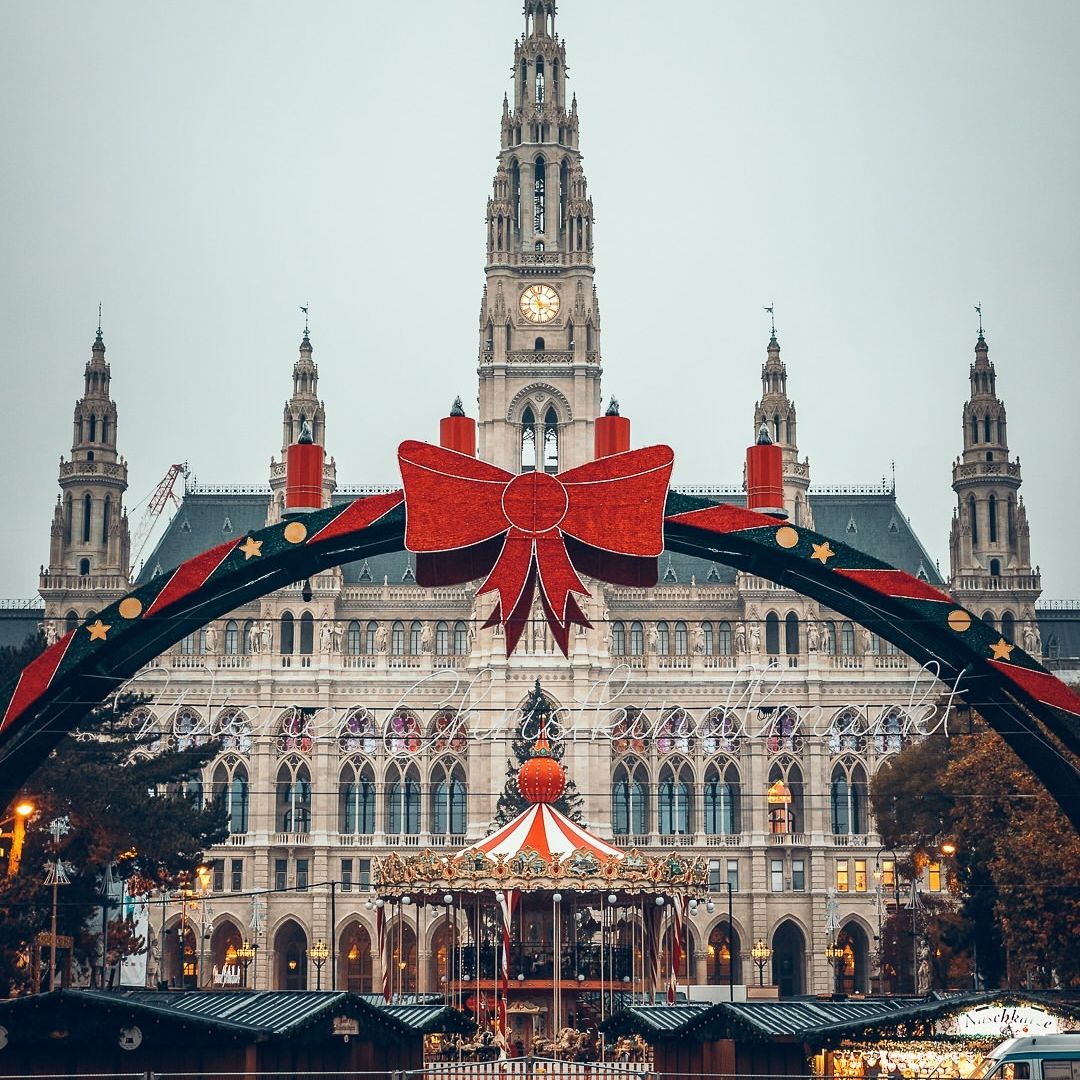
point(548, 928)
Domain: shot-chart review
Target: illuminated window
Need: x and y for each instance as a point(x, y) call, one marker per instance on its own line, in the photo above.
point(860, 875)
point(933, 877)
point(842, 882)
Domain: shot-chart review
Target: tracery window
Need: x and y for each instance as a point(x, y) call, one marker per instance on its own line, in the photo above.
point(448, 798)
point(786, 816)
point(630, 799)
point(233, 728)
point(402, 799)
point(618, 639)
point(539, 195)
point(675, 732)
point(782, 731)
point(357, 733)
point(403, 733)
point(294, 796)
point(723, 799)
point(230, 785)
point(295, 730)
point(448, 732)
point(675, 798)
point(848, 797)
point(720, 732)
point(356, 798)
point(551, 441)
point(629, 731)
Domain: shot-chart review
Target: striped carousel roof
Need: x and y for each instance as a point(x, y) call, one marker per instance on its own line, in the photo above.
point(542, 829)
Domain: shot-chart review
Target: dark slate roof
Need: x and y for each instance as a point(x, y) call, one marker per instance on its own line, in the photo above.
point(871, 522)
point(262, 1014)
point(19, 623)
point(1060, 631)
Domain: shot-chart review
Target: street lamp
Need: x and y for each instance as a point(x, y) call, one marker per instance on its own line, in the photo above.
point(835, 955)
point(320, 953)
point(246, 955)
point(760, 952)
point(17, 836)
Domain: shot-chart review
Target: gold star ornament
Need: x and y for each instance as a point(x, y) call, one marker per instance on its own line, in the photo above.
point(1002, 650)
point(822, 552)
point(98, 631)
point(251, 548)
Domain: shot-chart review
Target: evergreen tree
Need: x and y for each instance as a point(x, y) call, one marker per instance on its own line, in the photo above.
point(535, 717)
point(134, 810)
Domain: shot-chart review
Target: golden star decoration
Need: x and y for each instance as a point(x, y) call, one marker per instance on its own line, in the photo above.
point(822, 552)
point(98, 631)
point(251, 548)
point(1002, 650)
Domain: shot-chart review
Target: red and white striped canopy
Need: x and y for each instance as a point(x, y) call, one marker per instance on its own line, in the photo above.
point(541, 828)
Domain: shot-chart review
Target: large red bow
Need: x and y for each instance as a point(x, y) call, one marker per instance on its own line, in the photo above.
point(466, 519)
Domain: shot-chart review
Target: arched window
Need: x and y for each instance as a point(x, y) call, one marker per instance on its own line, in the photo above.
point(986, 429)
point(551, 441)
point(461, 639)
point(84, 567)
point(785, 802)
point(67, 517)
point(448, 795)
point(708, 641)
point(104, 429)
point(88, 509)
point(515, 185)
point(528, 440)
point(355, 959)
point(973, 520)
point(848, 798)
point(371, 638)
point(416, 638)
point(723, 639)
point(618, 639)
point(287, 626)
point(232, 638)
point(630, 799)
point(356, 799)
point(539, 97)
point(442, 639)
point(357, 733)
point(1008, 627)
point(354, 639)
point(663, 639)
point(307, 634)
point(106, 518)
point(675, 798)
point(724, 963)
point(847, 639)
point(290, 952)
point(989, 618)
point(397, 639)
point(772, 634)
point(71, 620)
point(791, 634)
point(539, 195)
point(991, 519)
point(974, 429)
point(720, 732)
point(93, 429)
point(723, 799)
point(637, 639)
point(231, 787)
point(402, 800)
point(681, 644)
point(294, 796)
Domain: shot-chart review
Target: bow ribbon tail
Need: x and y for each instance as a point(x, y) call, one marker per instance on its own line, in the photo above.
point(558, 581)
point(513, 578)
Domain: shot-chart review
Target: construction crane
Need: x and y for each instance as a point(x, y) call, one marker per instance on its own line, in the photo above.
point(163, 494)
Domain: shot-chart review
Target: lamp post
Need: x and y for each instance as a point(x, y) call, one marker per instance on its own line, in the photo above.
point(835, 955)
point(17, 836)
point(760, 952)
point(246, 955)
point(320, 953)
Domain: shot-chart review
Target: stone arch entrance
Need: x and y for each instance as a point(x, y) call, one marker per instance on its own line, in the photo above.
point(852, 970)
point(290, 957)
point(789, 959)
point(354, 959)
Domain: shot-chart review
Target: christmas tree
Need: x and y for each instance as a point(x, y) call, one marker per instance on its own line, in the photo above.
point(535, 718)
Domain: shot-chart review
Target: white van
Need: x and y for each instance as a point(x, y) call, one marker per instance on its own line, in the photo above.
point(1034, 1057)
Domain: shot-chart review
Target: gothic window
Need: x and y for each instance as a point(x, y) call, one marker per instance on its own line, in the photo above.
point(723, 639)
point(294, 796)
point(515, 191)
point(539, 185)
point(84, 567)
point(104, 429)
point(295, 730)
point(675, 732)
point(675, 797)
point(630, 799)
point(992, 524)
point(397, 639)
point(974, 429)
point(551, 442)
point(357, 734)
point(442, 639)
point(461, 639)
point(720, 732)
point(71, 620)
point(776, 428)
point(539, 98)
point(707, 639)
point(554, 75)
point(629, 730)
point(847, 639)
point(618, 639)
point(353, 639)
point(403, 734)
point(448, 794)
point(564, 192)
point(723, 956)
point(67, 518)
point(287, 626)
point(1008, 627)
point(449, 732)
point(973, 520)
point(782, 731)
point(663, 639)
point(570, 333)
point(722, 799)
point(785, 801)
point(1011, 521)
point(637, 639)
point(681, 648)
point(356, 799)
point(791, 634)
point(988, 617)
point(106, 514)
point(772, 633)
point(416, 638)
point(524, 80)
point(88, 509)
point(528, 440)
point(307, 634)
point(986, 429)
point(230, 785)
point(402, 800)
point(848, 798)
point(93, 429)
point(371, 638)
point(232, 638)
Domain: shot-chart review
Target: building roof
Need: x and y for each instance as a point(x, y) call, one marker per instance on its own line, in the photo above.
point(260, 1015)
point(20, 621)
point(543, 829)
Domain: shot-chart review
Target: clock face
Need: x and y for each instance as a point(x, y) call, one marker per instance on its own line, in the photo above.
point(539, 303)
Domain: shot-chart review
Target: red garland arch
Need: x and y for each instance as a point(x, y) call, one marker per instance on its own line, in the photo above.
point(1019, 698)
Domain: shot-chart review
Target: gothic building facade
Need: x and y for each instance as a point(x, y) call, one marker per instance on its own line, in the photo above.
point(361, 713)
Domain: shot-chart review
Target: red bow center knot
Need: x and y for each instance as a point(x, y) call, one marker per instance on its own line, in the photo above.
point(467, 519)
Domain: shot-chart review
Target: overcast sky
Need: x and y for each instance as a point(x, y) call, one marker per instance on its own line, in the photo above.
point(873, 169)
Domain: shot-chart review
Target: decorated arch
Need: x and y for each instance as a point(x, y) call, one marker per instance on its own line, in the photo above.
point(534, 533)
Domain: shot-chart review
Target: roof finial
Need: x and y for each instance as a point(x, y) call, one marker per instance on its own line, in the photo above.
point(978, 309)
point(772, 322)
point(99, 321)
point(303, 308)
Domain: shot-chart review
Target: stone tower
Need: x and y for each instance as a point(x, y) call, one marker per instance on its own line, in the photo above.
point(777, 412)
point(539, 369)
point(303, 407)
point(89, 547)
point(989, 544)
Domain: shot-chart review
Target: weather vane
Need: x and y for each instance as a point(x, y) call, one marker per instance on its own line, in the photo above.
point(772, 318)
point(99, 319)
point(303, 308)
point(978, 309)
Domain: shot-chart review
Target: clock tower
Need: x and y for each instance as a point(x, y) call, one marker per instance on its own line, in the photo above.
point(539, 367)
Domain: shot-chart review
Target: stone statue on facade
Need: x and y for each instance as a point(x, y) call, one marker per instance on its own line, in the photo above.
point(813, 636)
point(740, 638)
point(755, 638)
point(266, 634)
point(382, 639)
point(425, 638)
point(699, 639)
point(337, 636)
point(211, 639)
point(326, 634)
